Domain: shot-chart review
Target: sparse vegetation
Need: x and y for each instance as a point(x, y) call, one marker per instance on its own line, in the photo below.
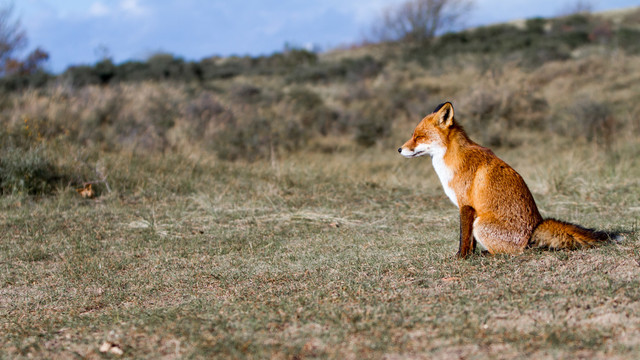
point(257, 207)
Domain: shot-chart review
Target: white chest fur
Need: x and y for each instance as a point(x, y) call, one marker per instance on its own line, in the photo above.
point(445, 174)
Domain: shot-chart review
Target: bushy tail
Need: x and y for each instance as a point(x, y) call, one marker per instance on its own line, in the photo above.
point(555, 234)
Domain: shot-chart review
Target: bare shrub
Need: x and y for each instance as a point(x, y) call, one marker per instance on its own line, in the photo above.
point(494, 109)
point(148, 114)
point(205, 115)
point(97, 124)
point(595, 120)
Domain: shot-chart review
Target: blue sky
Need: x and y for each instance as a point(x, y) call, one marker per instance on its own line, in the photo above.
point(72, 31)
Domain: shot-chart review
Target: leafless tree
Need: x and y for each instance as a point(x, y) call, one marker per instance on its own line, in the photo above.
point(576, 7)
point(12, 37)
point(418, 20)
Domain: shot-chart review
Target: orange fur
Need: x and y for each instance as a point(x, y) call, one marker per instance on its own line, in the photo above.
point(496, 206)
point(86, 192)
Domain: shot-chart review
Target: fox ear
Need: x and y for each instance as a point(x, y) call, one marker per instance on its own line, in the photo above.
point(444, 114)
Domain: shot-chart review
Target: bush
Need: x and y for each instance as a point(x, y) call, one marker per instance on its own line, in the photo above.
point(317, 73)
point(488, 39)
point(305, 99)
point(246, 93)
point(79, 76)
point(372, 123)
point(544, 52)
point(493, 109)
point(629, 40)
point(168, 67)
point(595, 120)
point(313, 114)
point(210, 69)
point(132, 71)
point(105, 70)
point(362, 67)
point(258, 137)
point(540, 41)
point(28, 172)
point(160, 115)
point(204, 115)
point(98, 125)
point(291, 58)
point(348, 68)
point(20, 82)
point(536, 25)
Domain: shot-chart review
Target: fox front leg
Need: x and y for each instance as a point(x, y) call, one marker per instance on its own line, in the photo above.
point(467, 242)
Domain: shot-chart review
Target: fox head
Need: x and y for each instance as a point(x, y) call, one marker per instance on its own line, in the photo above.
point(429, 137)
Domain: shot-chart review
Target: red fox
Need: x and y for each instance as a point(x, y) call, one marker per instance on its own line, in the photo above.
point(496, 207)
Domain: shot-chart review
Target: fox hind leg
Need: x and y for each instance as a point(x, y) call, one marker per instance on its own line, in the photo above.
point(498, 237)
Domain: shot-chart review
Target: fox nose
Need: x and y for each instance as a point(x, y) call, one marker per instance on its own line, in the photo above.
point(399, 149)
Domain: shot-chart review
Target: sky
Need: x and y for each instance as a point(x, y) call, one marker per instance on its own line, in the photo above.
point(77, 32)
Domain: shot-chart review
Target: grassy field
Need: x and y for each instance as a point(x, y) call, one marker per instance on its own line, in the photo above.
point(342, 255)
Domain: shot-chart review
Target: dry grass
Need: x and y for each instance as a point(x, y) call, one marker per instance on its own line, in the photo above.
point(345, 255)
point(330, 249)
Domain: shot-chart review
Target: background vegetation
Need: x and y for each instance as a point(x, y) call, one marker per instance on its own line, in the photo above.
point(257, 207)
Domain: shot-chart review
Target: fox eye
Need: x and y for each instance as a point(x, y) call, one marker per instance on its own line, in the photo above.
point(418, 138)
